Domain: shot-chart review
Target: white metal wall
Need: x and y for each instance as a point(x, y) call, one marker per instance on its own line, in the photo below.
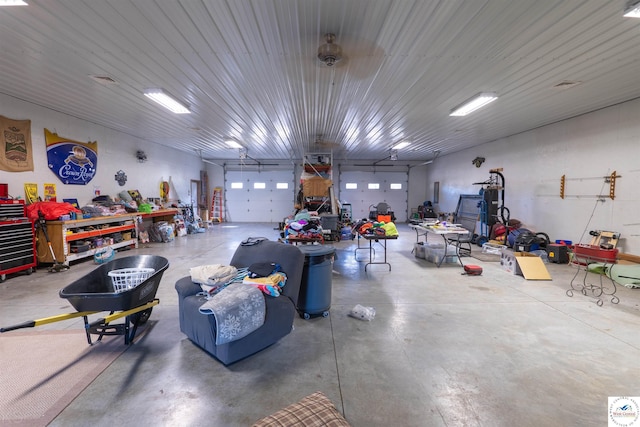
point(585, 149)
point(116, 152)
point(258, 205)
point(363, 197)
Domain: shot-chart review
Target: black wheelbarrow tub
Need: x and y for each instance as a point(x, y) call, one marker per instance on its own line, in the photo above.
point(95, 291)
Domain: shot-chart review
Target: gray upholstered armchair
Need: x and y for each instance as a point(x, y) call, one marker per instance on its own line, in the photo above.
point(280, 311)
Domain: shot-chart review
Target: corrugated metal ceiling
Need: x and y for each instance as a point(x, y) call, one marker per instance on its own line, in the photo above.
point(249, 71)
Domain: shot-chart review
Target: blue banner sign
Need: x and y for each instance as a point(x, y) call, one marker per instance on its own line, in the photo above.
point(71, 161)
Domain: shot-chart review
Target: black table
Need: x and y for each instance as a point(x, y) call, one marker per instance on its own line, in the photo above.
point(382, 240)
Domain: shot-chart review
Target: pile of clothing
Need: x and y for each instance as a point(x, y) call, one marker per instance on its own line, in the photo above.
point(266, 276)
point(303, 226)
point(369, 228)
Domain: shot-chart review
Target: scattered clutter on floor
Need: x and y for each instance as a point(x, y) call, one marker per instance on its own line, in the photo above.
point(525, 264)
point(104, 255)
point(472, 270)
point(363, 313)
point(305, 225)
point(625, 274)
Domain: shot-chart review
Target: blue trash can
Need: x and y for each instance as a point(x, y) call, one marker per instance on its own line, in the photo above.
point(315, 290)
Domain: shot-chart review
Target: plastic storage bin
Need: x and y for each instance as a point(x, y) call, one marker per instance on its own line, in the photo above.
point(315, 289)
point(329, 222)
point(419, 250)
point(346, 234)
point(434, 252)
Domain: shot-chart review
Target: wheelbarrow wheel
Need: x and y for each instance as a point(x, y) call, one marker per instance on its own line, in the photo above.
point(141, 317)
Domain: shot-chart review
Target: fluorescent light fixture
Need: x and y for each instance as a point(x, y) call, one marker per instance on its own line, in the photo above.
point(232, 144)
point(478, 101)
point(13, 3)
point(632, 10)
point(400, 145)
point(168, 102)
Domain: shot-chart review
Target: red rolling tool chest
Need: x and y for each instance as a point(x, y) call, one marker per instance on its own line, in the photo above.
point(17, 239)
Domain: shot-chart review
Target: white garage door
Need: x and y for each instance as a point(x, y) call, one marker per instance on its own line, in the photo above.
point(252, 196)
point(373, 188)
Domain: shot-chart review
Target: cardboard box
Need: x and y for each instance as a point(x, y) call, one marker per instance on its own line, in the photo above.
point(524, 264)
point(316, 187)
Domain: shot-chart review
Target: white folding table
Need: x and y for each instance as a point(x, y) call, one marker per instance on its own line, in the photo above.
point(433, 228)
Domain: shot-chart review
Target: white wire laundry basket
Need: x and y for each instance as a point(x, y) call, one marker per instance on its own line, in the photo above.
point(128, 278)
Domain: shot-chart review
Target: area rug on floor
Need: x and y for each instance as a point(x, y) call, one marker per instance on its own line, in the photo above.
point(43, 371)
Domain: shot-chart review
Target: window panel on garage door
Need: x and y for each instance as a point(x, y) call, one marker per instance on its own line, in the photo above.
point(259, 199)
point(392, 189)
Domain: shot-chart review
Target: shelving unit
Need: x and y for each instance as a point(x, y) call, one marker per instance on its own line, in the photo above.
point(62, 233)
point(320, 164)
point(317, 182)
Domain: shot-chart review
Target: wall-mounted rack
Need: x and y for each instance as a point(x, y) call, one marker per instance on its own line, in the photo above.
point(608, 179)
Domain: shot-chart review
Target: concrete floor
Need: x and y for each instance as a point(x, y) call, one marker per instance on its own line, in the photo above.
point(443, 350)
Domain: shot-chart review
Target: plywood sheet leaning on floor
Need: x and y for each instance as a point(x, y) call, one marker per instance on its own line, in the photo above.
point(524, 264)
point(533, 268)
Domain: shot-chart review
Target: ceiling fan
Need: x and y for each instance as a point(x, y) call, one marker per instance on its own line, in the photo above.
point(320, 143)
point(436, 153)
point(330, 53)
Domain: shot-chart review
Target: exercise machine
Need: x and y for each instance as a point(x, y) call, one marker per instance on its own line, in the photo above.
point(492, 207)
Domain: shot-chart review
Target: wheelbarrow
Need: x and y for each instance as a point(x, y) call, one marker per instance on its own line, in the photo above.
point(125, 287)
